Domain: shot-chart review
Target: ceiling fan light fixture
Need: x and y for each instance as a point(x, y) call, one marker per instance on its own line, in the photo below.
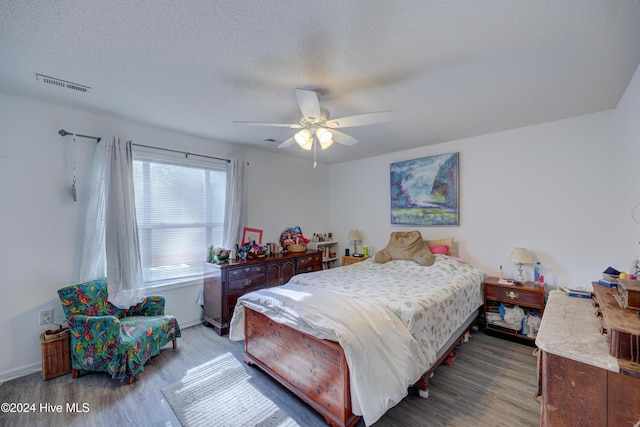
point(304, 139)
point(324, 135)
point(315, 127)
point(327, 144)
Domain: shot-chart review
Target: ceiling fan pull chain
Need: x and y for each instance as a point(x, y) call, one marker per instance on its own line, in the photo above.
point(315, 149)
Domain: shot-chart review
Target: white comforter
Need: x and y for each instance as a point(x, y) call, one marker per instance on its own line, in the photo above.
point(383, 358)
point(432, 302)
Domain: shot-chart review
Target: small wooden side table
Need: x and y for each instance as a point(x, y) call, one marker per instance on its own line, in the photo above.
point(529, 296)
point(346, 260)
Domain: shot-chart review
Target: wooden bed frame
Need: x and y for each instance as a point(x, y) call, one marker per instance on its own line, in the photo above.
point(315, 370)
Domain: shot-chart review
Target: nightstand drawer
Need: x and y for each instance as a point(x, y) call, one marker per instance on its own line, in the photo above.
point(513, 295)
point(348, 260)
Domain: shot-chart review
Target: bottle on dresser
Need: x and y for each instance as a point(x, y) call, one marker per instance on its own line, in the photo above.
point(537, 272)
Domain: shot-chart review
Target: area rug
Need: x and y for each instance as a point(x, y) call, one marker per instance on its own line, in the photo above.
point(222, 393)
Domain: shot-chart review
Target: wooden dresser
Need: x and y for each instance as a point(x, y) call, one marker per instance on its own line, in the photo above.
point(225, 283)
point(580, 382)
point(620, 325)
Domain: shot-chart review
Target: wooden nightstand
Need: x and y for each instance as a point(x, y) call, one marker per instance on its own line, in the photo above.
point(529, 296)
point(346, 260)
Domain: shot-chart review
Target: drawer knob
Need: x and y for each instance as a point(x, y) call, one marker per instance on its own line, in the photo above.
point(247, 282)
point(511, 294)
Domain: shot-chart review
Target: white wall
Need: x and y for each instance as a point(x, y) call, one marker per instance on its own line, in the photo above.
point(548, 188)
point(627, 172)
point(41, 227)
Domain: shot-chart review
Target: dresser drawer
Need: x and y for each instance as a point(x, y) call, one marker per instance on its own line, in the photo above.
point(513, 295)
point(250, 270)
point(309, 262)
point(233, 300)
point(246, 283)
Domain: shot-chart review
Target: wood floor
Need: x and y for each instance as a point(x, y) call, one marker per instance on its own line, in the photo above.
point(491, 383)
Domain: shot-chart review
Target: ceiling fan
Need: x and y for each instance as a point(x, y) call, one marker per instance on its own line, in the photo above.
point(316, 127)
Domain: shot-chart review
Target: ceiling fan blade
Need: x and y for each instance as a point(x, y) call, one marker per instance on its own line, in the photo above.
point(289, 142)
point(308, 104)
point(361, 119)
point(278, 125)
point(343, 138)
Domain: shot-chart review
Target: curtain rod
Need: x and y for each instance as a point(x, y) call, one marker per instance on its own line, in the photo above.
point(63, 132)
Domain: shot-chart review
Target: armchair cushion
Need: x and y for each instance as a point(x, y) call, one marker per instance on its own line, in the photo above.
point(108, 339)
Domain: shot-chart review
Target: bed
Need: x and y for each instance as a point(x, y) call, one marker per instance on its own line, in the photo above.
point(349, 341)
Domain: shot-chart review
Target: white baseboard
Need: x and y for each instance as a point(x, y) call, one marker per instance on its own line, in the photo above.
point(20, 372)
point(195, 322)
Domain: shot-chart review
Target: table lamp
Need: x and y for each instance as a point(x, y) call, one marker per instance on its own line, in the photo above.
point(520, 256)
point(356, 237)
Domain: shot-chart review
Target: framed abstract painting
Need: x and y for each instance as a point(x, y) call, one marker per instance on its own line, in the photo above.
point(424, 192)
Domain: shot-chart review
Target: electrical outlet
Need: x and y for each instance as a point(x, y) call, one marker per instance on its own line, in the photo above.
point(46, 316)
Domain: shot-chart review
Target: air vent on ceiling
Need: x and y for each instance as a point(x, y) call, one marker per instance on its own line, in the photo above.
point(62, 83)
point(272, 142)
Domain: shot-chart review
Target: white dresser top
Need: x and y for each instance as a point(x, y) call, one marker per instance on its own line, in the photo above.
point(570, 329)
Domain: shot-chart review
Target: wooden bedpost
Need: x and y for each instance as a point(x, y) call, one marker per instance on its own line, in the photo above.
point(423, 384)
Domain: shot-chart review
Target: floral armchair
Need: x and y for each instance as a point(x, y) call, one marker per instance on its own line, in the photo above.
point(109, 339)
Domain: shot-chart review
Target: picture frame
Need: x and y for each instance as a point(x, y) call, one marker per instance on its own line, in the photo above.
point(424, 191)
point(251, 234)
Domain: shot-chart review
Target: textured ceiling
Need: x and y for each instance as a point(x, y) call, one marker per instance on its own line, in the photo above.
point(448, 69)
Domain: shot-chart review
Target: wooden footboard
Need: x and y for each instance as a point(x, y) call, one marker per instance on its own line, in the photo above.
point(315, 370)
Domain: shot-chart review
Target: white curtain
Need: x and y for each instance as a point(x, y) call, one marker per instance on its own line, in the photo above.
point(111, 245)
point(235, 216)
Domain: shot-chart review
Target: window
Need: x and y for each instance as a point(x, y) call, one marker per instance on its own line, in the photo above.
point(180, 213)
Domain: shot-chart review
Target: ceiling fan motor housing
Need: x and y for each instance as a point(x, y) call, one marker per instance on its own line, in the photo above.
point(306, 121)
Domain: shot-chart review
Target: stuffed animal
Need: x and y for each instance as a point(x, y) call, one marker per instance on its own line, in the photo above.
point(406, 245)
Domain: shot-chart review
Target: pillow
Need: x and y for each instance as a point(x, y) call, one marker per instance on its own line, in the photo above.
point(406, 245)
point(451, 251)
point(441, 249)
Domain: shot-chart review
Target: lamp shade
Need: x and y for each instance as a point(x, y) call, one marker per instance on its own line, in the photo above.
point(520, 256)
point(354, 235)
